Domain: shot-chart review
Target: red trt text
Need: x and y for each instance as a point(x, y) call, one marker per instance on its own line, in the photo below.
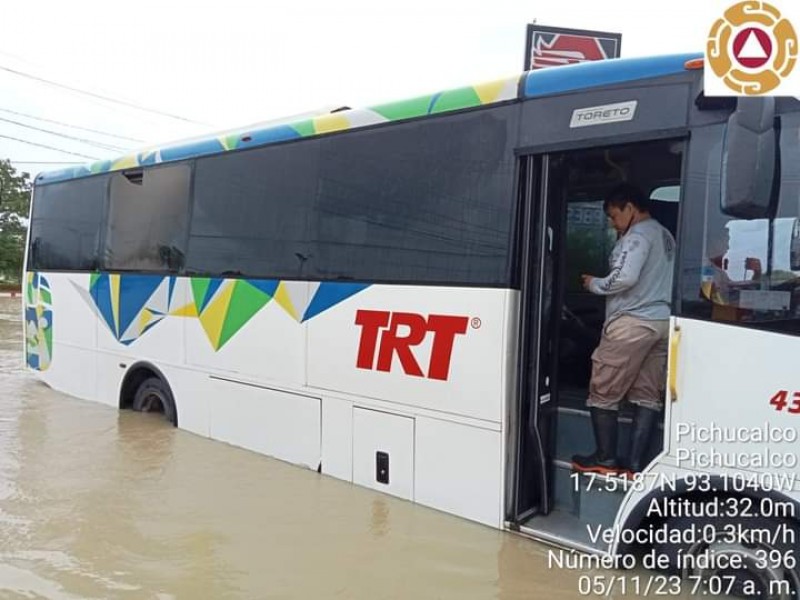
point(416, 329)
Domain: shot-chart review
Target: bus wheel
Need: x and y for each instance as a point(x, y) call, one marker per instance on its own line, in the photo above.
point(766, 549)
point(153, 395)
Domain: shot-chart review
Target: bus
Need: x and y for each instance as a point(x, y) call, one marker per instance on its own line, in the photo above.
point(391, 296)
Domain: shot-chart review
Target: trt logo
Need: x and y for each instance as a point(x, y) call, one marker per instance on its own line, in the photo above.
point(416, 328)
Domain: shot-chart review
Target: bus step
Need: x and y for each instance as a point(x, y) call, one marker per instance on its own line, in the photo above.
point(574, 435)
point(593, 499)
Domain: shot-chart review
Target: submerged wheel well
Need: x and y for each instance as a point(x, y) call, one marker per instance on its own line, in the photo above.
point(134, 378)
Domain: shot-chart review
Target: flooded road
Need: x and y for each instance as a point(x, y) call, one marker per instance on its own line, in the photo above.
point(96, 503)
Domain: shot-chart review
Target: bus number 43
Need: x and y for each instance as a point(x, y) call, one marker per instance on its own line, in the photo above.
point(787, 401)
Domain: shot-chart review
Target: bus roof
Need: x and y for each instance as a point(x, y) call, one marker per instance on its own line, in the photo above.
point(533, 84)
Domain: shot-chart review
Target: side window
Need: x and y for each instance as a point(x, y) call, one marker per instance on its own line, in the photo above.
point(147, 219)
point(65, 225)
point(420, 202)
point(251, 212)
point(738, 270)
point(664, 204)
point(428, 202)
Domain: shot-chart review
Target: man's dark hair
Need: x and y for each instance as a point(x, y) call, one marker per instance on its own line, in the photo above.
point(625, 193)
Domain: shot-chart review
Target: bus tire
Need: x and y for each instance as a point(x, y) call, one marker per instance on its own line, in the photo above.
point(153, 395)
point(719, 536)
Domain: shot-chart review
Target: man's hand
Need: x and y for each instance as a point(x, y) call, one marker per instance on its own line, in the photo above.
point(586, 281)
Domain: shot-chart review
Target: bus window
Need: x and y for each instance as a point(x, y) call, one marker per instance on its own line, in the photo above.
point(251, 212)
point(419, 202)
point(664, 206)
point(148, 214)
point(65, 225)
point(667, 193)
point(742, 271)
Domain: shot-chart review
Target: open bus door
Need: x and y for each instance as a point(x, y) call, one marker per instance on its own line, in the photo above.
point(565, 233)
point(531, 493)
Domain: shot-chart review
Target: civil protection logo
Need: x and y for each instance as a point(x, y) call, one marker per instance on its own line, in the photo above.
point(752, 49)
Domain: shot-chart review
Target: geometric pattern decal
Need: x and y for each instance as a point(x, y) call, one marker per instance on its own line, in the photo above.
point(131, 305)
point(225, 306)
point(262, 135)
point(331, 294)
point(38, 322)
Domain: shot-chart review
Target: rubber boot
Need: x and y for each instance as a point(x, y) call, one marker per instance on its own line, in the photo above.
point(644, 420)
point(604, 459)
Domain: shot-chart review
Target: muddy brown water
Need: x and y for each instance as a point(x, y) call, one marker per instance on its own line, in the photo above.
point(98, 503)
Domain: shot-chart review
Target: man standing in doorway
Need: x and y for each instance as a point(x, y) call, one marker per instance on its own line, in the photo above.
point(631, 359)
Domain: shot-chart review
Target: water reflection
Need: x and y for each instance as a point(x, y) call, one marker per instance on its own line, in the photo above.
point(380, 517)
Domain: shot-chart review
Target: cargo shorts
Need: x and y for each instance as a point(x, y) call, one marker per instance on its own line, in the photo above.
point(631, 360)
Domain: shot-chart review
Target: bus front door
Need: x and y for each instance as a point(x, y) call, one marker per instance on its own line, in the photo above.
point(566, 234)
point(531, 494)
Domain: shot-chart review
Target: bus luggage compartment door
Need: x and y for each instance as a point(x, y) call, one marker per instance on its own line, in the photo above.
point(383, 452)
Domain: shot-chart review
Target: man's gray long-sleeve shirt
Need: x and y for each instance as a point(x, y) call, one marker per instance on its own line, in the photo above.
point(640, 281)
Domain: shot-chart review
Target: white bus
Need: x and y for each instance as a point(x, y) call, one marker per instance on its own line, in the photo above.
point(390, 296)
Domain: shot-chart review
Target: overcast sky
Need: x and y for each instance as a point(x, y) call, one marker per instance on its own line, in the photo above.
point(229, 63)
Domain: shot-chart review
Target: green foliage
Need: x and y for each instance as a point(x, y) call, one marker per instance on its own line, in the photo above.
point(15, 197)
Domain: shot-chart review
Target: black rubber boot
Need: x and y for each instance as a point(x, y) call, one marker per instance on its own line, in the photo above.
point(644, 420)
point(604, 459)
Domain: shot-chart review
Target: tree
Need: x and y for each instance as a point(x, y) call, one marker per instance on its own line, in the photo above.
point(15, 197)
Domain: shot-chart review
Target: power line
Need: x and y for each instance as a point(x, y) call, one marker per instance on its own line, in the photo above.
point(69, 137)
point(22, 114)
point(45, 162)
point(8, 137)
point(101, 97)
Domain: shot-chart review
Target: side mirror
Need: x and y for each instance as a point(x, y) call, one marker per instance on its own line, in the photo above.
point(749, 159)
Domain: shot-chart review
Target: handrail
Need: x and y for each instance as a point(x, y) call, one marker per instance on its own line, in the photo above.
point(674, 346)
